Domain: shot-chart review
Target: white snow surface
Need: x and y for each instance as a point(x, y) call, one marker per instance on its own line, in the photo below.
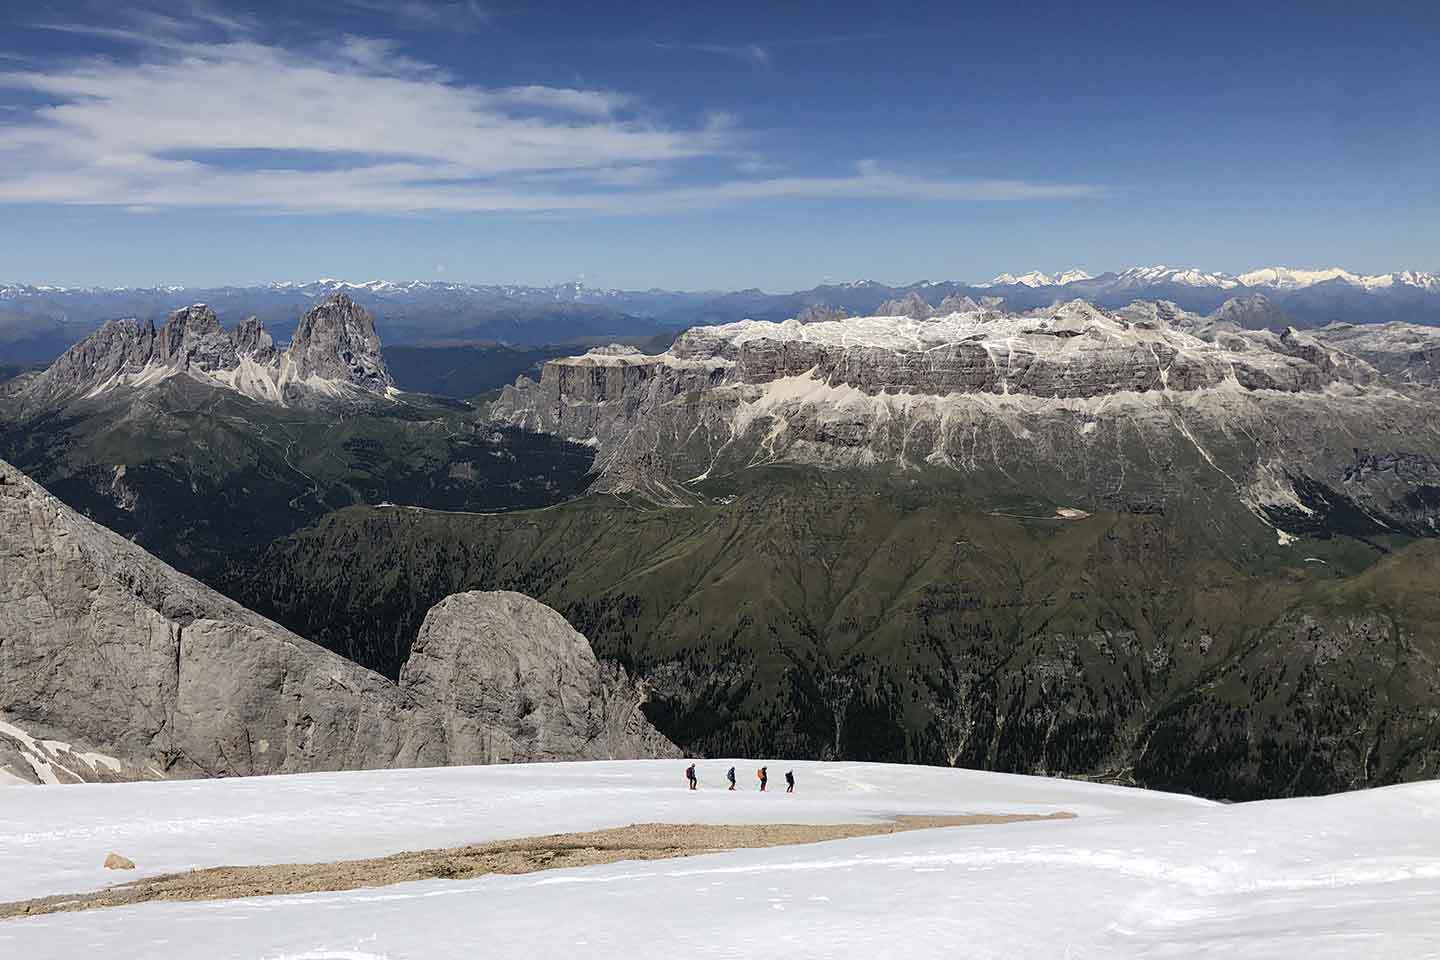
point(1137, 874)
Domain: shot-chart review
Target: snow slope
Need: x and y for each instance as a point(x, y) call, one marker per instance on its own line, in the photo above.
point(1136, 875)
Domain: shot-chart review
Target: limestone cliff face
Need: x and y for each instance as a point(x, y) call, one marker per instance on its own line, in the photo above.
point(115, 655)
point(335, 354)
point(1123, 409)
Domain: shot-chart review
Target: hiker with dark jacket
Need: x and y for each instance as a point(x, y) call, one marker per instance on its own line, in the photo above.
point(789, 781)
point(690, 775)
point(731, 777)
point(763, 775)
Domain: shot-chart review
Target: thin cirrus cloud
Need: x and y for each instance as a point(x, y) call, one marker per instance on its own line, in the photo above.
point(752, 53)
point(462, 15)
point(248, 125)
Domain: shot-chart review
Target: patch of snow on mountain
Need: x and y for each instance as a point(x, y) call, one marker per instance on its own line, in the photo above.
point(1034, 278)
point(1187, 276)
point(1287, 278)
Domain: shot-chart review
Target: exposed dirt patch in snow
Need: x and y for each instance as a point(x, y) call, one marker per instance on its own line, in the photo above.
point(644, 841)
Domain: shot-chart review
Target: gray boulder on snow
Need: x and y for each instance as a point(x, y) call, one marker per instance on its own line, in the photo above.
point(512, 678)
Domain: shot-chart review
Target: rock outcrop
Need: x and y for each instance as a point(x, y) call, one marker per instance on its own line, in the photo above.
point(912, 305)
point(254, 341)
point(119, 349)
point(1405, 352)
point(191, 339)
point(509, 672)
point(335, 353)
point(820, 313)
point(1252, 312)
point(1103, 407)
point(336, 341)
point(111, 659)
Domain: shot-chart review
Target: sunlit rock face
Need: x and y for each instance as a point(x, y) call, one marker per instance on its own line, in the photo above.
point(1126, 407)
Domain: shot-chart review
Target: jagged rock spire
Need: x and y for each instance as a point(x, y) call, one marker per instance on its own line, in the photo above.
point(335, 349)
point(336, 340)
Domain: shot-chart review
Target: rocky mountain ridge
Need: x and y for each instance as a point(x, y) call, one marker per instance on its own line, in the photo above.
point(335, 353)
point(38, 322)
point(115, 666)
point(1104, 404)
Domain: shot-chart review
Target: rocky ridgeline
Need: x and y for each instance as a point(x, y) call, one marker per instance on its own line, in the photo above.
point(115, 666)
point(1107, 403)
point(335, 352)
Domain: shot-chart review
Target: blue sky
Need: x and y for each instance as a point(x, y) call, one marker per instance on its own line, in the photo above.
point(710, 145)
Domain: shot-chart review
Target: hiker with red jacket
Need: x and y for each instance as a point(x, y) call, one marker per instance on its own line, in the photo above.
point(764, 776)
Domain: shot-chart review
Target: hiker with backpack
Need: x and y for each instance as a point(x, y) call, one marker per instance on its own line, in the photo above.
point(731, 777)
point(763, 775)
point(690, 775)
point(789, 781)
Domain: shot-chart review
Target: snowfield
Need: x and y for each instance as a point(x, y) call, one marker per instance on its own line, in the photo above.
point(1137, 874)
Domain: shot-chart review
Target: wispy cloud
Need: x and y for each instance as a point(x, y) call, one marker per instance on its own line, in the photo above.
point(462, 15)
point(753, 53)
point(231, 121)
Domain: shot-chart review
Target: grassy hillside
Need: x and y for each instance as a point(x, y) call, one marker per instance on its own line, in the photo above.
point(198, 475)
point(826, 615)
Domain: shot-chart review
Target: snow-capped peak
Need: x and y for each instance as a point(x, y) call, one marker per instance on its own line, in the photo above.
point(1289, 278)
point(1185, 276)
point(1037, 278)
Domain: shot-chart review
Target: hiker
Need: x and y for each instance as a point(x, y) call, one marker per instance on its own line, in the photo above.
point(763, 775)
point(731, 777)
point(789, 781)
point(690, 775)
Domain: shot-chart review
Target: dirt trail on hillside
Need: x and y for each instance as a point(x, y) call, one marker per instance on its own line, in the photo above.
point(643, 841)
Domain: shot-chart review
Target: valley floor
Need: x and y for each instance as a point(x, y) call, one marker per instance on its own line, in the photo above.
point(1134, 874)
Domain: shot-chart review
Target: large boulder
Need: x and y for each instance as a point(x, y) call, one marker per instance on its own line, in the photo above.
point(113, 665)
point(515, 681)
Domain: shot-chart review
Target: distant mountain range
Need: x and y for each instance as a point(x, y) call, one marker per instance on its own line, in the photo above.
point(1181, 549)
point(37, 323)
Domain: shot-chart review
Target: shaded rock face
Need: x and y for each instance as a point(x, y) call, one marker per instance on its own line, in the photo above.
point(820, 313)
point(336, 340)
point(957, 303)
point(192, 339)
point(1253, 312)
point(254, 341)
point(120, 347)
point(912, 305)
point(111, 651)
point(335, 353)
